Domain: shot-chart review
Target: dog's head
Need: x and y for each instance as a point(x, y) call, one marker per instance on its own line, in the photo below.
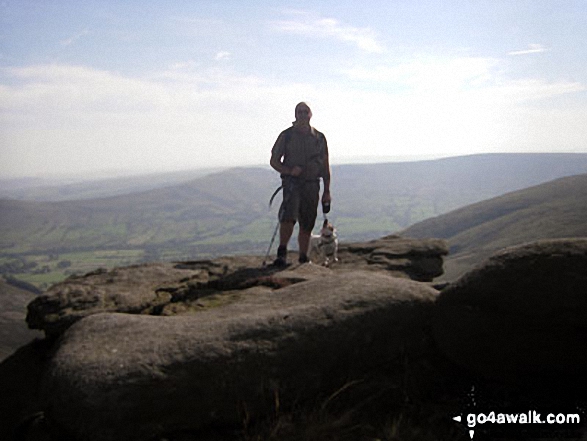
point(327, 229)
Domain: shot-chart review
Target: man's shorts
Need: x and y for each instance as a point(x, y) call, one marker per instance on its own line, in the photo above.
point(300, 202)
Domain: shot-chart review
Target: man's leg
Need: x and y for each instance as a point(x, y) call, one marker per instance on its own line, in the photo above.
point(287, 216)
point(304, 243)
point(285, 232)
point(308, 213)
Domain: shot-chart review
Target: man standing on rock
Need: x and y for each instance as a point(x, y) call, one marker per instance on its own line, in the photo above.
point(300, 155)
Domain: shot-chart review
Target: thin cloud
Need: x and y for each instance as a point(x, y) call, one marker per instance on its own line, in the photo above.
point(310, 25)
point(426, 73)
point(84, 117)
point(73, 39)
point(222, 55)
point(470, 76)
point(532, 49)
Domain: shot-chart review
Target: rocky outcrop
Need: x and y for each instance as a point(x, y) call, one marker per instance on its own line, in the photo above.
point(132, 290)
point(179, 288)
point(522, 315)
point(175, 346)
point(224, 364)
point(187, 345)
point(417, 259)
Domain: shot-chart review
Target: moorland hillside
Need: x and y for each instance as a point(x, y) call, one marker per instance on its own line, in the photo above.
point(556, 209)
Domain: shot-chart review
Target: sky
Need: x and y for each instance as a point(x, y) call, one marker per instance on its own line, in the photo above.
point(89, 87)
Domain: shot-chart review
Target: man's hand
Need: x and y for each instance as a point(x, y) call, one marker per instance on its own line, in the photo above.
point(326, 198)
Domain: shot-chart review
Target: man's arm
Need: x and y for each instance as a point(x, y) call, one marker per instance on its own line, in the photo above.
point(276, 161)
point(278, 166)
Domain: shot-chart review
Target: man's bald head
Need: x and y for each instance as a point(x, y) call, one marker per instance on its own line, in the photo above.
point(303, 112)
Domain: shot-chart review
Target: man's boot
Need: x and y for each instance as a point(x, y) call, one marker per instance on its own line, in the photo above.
point(281, 260)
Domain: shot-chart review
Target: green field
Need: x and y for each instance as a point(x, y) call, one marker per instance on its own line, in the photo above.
point(49, 269)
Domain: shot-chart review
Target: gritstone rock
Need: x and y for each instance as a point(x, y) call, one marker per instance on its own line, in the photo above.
point(130, 290)
point(129, 377)
point(172, 288)
point(522, 315)
point(416, 259)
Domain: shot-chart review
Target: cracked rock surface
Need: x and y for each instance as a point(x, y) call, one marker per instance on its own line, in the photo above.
point(188, 287)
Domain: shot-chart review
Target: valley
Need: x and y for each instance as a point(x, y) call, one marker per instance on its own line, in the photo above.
point(227, 213)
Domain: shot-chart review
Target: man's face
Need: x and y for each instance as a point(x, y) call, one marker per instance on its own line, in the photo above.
point(303, 113)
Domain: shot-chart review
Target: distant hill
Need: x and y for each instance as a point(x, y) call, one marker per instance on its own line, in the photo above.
point(227, 212)
point(66, 189)
point(175, 216)
point(372, 200)
point(557, 209)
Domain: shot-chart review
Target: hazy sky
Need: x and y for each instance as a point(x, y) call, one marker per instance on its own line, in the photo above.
point(159, 85)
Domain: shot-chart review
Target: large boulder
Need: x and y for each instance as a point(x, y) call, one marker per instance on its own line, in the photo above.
point(520, 316)
point(129, 377)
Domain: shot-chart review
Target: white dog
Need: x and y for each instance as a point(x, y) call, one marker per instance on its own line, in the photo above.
point(325, 245)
